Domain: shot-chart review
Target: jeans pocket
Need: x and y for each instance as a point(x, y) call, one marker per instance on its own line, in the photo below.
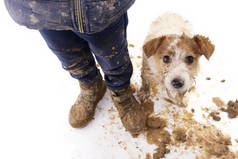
point(44, 14)
point(101, 13)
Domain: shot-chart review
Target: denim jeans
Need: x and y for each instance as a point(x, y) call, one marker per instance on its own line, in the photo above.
point(75, 50)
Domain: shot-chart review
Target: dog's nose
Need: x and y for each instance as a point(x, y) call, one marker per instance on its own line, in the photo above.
point(177, 83)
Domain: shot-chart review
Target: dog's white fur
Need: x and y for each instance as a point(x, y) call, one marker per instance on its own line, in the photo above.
point(167, 24)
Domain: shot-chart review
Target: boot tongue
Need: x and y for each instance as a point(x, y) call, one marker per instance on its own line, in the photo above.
point(124, 102)
point(123, 96)
point(121, 92)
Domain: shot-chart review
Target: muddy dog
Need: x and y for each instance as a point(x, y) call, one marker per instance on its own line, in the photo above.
point(171, 57)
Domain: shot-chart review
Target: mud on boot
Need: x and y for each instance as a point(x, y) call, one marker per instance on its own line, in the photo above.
point(131, 112)
point(83, 110)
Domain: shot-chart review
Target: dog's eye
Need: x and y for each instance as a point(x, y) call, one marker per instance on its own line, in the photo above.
point(189, 59)
point(166, 59)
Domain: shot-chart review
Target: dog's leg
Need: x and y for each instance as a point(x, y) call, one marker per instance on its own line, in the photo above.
point(144, 92)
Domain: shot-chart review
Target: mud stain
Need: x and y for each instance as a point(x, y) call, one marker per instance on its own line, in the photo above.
point(215, 116)
point(179, 134)
point(218, 101)
point(232, 109)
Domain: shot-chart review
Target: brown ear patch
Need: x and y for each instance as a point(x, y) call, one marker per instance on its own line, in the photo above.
point(152, 46)
point(205, 46)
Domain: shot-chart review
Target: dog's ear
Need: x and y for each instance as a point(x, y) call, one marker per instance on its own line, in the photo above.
point(205, 47)
point(152, 46)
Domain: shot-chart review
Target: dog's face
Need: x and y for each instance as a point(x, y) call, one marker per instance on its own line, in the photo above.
point(174, 60)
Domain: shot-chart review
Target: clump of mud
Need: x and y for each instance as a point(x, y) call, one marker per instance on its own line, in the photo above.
point(208, 78)
point(161, 138)
point(131, 45)
point(148, 107)
point(160, 151)
point(214, 142)
point(179, 135)
point(156, 123)
point(148, 156)
point(190, 133)
point(157, 135)
point(215, 116)
point(206, 138)
point(232, 109)
point(218, 101)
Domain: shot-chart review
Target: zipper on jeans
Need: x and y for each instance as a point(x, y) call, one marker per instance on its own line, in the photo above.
point(79, 16)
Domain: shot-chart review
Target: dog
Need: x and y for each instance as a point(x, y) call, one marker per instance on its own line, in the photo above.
point(171, 57)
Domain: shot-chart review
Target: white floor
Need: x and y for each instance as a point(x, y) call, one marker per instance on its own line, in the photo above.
point(36, 93)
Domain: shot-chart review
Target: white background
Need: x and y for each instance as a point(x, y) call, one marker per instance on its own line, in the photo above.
point(36, 93)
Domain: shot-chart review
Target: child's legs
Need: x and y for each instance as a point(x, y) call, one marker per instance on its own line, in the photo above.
point(73, 52)
point(110, 49)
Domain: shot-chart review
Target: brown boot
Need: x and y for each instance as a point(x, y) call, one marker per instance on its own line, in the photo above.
point(82, 112)
point(131, 113)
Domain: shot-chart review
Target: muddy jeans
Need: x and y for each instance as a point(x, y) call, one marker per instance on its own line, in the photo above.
point(75, 50)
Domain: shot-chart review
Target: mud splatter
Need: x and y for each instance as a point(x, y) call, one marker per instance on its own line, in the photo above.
point(213, 142)
point(131, 45)
point(154, 90)
point(157, 135)
point(208, 139)
point(111, 110)
point(98, 66)
point(148, 107)
point(161, 138)
point(218, 101)
point(179, 135)
point(169, 101)
point(148, 156)
point(63, 14)
point(215, 116)
point(33, 19)
point(160, 151)
point(222, 81)
point(156, 123)
point(232, 109)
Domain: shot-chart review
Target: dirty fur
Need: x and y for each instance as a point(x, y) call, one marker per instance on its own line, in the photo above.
point(170, 36)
